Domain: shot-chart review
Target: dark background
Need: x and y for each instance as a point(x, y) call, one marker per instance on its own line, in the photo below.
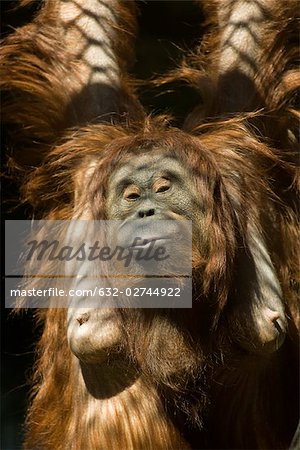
point(167, 28)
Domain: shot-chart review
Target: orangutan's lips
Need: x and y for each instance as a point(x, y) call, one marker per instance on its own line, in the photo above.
point(144, 243)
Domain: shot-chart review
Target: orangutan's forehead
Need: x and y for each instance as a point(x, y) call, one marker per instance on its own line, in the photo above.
point(159, 162)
